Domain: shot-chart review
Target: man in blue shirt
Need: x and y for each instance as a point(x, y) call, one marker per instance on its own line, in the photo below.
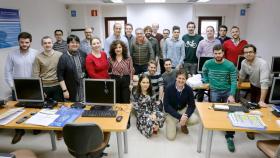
point(85, 45)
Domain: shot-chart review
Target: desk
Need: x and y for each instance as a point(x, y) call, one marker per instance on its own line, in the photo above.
point(106, 124)
point(211, 119)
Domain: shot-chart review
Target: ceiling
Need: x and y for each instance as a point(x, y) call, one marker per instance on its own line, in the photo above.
point(101, 2)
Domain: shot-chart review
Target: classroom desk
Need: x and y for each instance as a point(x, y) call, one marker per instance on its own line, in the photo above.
point(106, 124)
point(211, 120)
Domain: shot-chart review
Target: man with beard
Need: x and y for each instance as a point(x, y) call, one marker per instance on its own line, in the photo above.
point(19, 64)
point(85, 44)
point(221, 76)
point(153, 41)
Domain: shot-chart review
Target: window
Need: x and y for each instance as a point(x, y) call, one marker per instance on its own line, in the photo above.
point(203, 22)
point(109, 23)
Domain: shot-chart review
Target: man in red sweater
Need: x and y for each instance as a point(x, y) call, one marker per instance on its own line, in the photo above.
point(234, 47)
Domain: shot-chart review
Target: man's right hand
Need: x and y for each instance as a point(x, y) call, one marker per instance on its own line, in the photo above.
point(66, 95)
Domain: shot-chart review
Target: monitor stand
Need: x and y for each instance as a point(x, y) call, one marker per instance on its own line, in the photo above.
point(101, 107)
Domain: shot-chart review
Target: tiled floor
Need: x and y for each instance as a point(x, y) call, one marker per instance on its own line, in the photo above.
point(140, 147)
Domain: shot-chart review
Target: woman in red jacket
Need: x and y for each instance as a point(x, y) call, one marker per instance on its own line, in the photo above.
point(97, 65)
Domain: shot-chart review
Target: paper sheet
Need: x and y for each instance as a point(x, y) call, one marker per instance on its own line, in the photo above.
point(10, 118)
point(42, 119)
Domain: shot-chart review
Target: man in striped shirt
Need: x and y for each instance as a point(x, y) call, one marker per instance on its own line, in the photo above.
point(157, 82)
point(60, 45)
point(221, 74)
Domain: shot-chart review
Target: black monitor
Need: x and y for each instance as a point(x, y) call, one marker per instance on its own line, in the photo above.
point(274, 97)
point(275, 65)
point(239, 61)
point(100, 92)
point(201, 62)
point(28, 90)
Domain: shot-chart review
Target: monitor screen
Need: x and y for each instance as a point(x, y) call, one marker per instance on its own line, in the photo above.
point(274, 97)
point(275, 65)
point(28, 90)
point(100, 91)
point(201, 62)
point(239, 61)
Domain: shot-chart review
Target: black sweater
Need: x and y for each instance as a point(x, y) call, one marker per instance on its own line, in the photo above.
point(173, 103)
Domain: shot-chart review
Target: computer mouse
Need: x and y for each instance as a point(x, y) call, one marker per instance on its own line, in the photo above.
point(119, 118)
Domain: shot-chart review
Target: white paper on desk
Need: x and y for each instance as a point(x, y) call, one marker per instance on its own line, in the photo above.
point(221, 107)
point(10, 118)
point(41, 119)
point(48, 111)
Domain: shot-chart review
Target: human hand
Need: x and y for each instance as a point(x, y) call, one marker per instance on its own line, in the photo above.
point(66, 95)
point(153, 117)
point(263, 104)
point(183, 119)
point(231, 99)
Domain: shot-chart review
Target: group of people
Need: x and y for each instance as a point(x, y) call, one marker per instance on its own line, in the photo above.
point(161, 95)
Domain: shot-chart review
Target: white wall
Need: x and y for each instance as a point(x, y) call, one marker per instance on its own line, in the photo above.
point(40, 18)
point(166, 15)
point(263, 27)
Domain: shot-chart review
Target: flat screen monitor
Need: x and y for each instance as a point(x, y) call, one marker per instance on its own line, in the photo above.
point(28, 90)
point(100, 92)
point(275, 65)
point(201, 62)
point(239, 61)
point(274, 97)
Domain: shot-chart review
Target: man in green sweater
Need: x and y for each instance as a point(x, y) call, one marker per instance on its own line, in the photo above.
point(45, 66)
point(221, 74)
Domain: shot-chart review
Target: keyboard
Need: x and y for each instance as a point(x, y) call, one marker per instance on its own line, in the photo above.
point(99, 113)
point(30, 104)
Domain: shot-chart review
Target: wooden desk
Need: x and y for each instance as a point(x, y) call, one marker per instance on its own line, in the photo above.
point(211, 120)
point(107, 124)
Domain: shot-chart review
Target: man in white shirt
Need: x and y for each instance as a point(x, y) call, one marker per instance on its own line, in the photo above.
point(19, 64)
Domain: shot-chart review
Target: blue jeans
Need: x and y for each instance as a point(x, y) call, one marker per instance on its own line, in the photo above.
point(220, 96)
point(139, 69)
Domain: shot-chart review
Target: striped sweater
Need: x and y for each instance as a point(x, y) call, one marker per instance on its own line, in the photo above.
point(220, 76)
point(141, 53)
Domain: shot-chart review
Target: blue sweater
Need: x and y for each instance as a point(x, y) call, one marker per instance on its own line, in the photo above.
point(175, 101)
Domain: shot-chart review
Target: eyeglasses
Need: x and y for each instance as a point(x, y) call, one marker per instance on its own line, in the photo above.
point(250, 52)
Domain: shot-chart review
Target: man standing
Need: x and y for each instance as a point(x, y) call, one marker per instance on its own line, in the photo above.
point(205, 46)
point(45, 67)
point(223, 34)
point(60, 45)
point(19, 64)
point(174, 49)
point(191, 42)
point(156, 81)
point(128, 34)
point(85, 45)
point(153, 41)
point(165, 33)
point(141, 52)
point(117, 28)
point(179, 105)
point(221, 76)
point(234, 47)
point(155, 34)
point(258, 71)
point(169, 75)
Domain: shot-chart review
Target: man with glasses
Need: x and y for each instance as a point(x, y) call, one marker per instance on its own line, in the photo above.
point(85, 45)
point(60, 44)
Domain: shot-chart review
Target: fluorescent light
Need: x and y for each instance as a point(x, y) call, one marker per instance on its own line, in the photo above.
point(154, 1)
point(203, 1)
point(117, 1)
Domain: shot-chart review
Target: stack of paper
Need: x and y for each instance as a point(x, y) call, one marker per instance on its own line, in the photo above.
point(43, 118)
point(246, 121)
point(10, 115)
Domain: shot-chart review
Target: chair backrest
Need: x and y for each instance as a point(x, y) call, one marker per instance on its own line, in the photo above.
point(82, 138)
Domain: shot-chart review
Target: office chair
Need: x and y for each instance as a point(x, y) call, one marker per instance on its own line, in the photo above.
point(85, 140)
point(271, 148)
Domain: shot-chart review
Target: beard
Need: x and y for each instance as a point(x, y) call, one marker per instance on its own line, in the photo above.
point(24, 48)
point(148, 35)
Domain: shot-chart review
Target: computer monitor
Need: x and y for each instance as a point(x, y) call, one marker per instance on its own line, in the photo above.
point(274, 97)
point(201, 62)
point(239, 61)
point(28, 90)
point(275, 65)
point(100, 92)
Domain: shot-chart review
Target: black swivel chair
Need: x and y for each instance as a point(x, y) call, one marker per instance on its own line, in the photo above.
point(85, 140)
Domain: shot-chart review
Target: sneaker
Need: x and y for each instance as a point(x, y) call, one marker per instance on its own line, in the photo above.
point(251, 135)
point(230, 144)
point(17, 136)
point(184, 129)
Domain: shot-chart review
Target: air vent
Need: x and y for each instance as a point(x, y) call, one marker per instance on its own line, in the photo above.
point(192, 1)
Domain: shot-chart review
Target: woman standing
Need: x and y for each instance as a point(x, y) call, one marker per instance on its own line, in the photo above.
point(122, 70)
point(97, 65)
point(149, 118)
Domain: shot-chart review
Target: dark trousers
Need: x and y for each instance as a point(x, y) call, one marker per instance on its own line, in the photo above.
point(256, 94)
point(122, 88)
point(54, 92)
point(139, 69)
point(161, 64)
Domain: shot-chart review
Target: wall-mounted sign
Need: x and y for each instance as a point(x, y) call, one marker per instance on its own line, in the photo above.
point(242, 12)
point(94, 12)
point(73, 13)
